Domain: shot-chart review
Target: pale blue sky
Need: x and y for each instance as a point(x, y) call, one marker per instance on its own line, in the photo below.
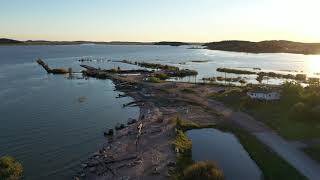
point(155, 20)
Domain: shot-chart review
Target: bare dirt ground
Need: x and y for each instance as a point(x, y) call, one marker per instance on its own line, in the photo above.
point(150, 153)
point(130, 156)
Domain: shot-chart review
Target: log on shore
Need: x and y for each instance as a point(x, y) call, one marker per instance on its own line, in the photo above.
point(53, 71)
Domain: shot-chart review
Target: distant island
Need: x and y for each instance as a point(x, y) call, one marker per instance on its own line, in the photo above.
point(266, 47)
point(4, 41)
point(165, 43)
point(273, 46)
point(9, 41)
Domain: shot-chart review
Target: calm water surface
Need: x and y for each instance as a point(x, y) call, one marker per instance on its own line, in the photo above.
point(51, 123)
point(226, 151)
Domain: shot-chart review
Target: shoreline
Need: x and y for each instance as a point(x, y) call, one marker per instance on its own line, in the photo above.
point(153, 156)
point(146, 149)
point(125, 153)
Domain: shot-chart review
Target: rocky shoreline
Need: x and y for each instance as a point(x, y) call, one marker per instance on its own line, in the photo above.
point(144, 149)
point(140, 150)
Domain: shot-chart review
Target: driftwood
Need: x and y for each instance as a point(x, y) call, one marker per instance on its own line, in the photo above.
point(138, 135)
point(121, 96)
point(89, 67)
point(134, 103)
point(53, 71)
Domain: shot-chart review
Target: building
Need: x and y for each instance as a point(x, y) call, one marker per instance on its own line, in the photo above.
point(264, 95)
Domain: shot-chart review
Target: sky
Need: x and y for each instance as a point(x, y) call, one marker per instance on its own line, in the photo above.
point(160, 20)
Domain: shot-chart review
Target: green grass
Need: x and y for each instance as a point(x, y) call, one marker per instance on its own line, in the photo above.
point(204, 170)
point(154, 80)
point(231, 97)
point(185, 125)
point(157, 66)
point(276, 115)
point(314, 152)
point(272, 166)
point(10, 169)
point(182, 143)
point(162, 76)
point(235, 71)
point(277, 119)
point(184, 157)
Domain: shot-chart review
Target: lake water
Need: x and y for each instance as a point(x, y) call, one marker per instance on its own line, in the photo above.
point(226, 151)
point(51, 123)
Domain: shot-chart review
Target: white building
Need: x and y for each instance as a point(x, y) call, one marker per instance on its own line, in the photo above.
point(264, 95)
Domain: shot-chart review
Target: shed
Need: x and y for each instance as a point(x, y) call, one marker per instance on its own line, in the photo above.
point(264, 95)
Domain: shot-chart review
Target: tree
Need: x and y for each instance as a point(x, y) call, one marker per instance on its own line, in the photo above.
point(10, 169)
point(292, 89)
point(299, 111)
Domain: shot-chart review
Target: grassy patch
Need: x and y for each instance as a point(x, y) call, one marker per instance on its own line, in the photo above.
point(272, 166)
point(231, 97)
point(182, 143)
point(154, 80)
point(189, 91)
point(10, 169)
point(204, 171)
point(157, 66)
point(162, 76)
point(172, 71)
point(293, 117)
point(185, 125)
point(314, 152)
point(235, 71)
point(183, 147)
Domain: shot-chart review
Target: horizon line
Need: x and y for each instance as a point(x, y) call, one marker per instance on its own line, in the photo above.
point(95, 41)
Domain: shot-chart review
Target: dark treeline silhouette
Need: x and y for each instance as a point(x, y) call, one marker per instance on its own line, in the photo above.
point(266, 47)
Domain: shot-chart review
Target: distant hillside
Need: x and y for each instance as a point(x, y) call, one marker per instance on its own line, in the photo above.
point(9, 41)
point(165, 43)
point(129, 43)
point(44, 42)
point(266, 47)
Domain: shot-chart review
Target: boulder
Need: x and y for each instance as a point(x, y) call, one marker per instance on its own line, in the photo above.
point(132, 121)
point(120, 126)
point(109, 133)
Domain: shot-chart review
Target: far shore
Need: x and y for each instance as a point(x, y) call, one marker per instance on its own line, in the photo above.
point(12, 42)
point(274, 46)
